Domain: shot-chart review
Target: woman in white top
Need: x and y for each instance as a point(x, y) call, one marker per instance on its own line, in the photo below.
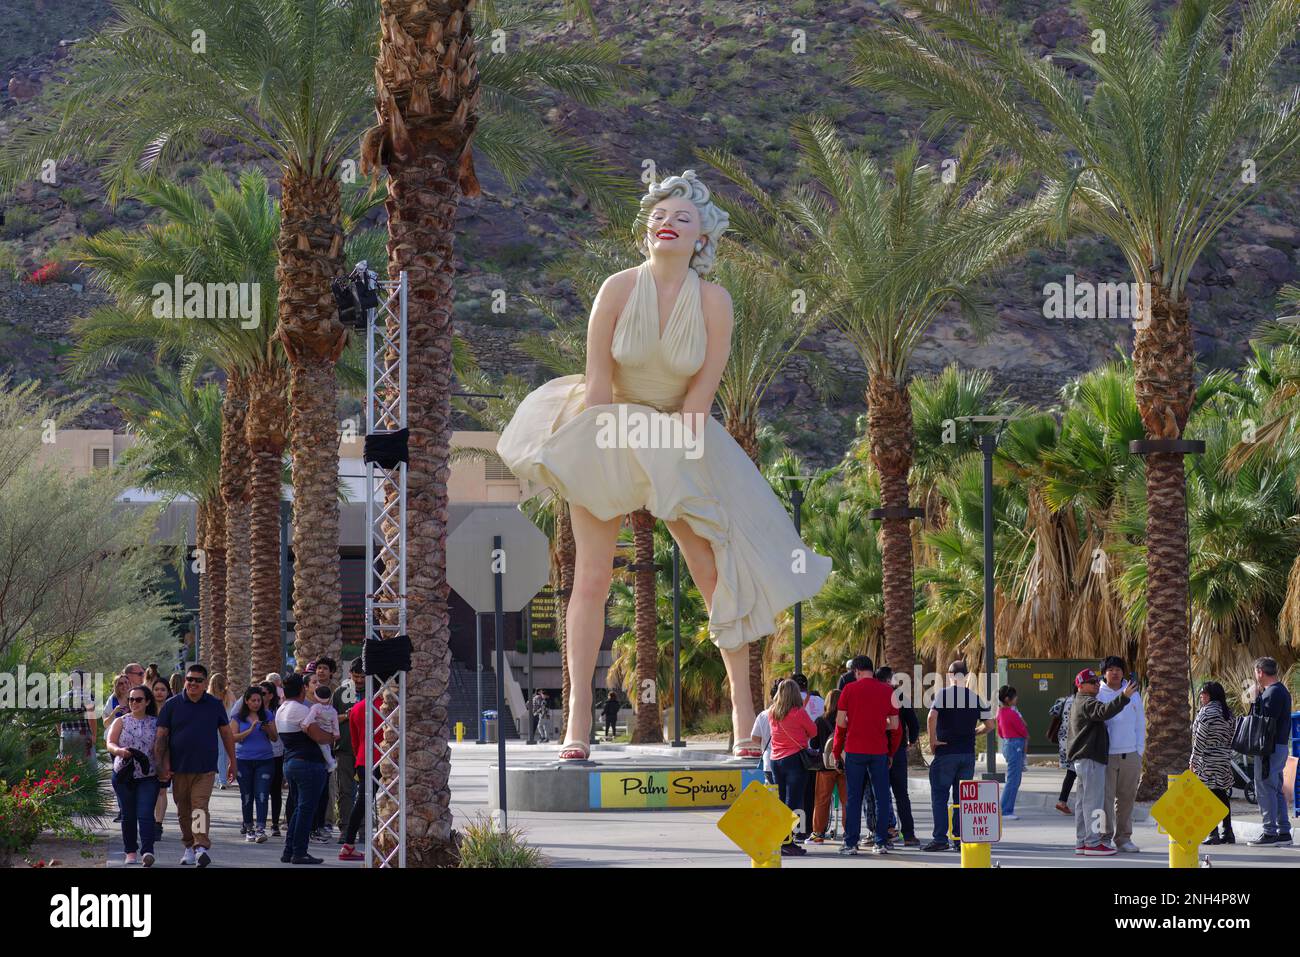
point(131, 740)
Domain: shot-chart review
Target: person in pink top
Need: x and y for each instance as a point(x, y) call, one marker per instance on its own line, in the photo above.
point(791, 731)
point(1014, 736)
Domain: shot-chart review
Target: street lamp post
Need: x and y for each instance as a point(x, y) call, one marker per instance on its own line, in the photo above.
point(796, 484)
point(988, 444)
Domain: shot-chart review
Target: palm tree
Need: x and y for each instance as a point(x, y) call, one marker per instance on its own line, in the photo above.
point(864, 250)
point(180, 425)
point(429, 82)
point(1173, 139)
point(287, 80)
point(217, 231)
point(767, 332)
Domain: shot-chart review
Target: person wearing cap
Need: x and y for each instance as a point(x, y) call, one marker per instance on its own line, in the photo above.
point(1128, 738)
point(1089, 749)
point(958, 716)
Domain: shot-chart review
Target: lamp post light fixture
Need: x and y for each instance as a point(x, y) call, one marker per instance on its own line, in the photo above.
point(988, 444)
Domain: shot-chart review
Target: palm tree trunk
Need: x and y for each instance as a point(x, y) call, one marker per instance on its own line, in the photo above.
point(745, 431)
point(567, 554)
point(647, 728)
point(310, 248)
point(214, 539)
point(889, 428)
point(235, 462)
point(266, 439)
point(1163, 360)
point(203, 655)
point(426, 88)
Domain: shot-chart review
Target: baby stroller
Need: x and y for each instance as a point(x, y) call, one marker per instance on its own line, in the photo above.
point(1243, 776)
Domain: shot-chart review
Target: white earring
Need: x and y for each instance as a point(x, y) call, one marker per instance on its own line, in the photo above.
point(699, 244)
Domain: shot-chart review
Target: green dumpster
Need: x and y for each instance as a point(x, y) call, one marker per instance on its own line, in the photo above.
point(1039, 682)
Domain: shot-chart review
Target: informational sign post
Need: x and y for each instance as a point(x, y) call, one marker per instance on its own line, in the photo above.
point(981, 812)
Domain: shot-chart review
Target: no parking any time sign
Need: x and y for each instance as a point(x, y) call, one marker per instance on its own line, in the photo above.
point(981, 812)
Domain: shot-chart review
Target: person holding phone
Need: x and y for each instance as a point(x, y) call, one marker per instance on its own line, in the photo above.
point(1089, 750)
point(1128, 740)
point(255, 762)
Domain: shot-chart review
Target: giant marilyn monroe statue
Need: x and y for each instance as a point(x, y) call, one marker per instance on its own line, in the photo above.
point(636, 432)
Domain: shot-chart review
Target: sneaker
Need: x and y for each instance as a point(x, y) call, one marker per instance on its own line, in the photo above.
point(203, 858)
point(130, 859)
point(847, 851)
point(956, 845)
point(1283, 840)
point(936, 846)
point(147, 859)
point(879, 850)
point(350, 853)
point(817, 839)
point(319, 837)
point(306, 859)
point(250, 837)
point(1063, 807)
point(1264, 840)
point(793, 850)
point(244, 829)
point(1098, 850)
point(1080, 849)
point(260, 836)
point(286, 857)
point(275, 831)
point(911, 842)
point(1128, 847)
point(1229, 837)
point(1010, 817)
point(188, 856)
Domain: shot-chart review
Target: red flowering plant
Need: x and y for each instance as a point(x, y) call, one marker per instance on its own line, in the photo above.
point(41, 801)
point(50, 272)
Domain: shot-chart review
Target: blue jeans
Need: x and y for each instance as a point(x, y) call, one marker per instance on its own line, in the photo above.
point(223, 763)
point(946, 771)
point(858, 770)
point(306, 778)
point(254, 787)
point(790, 779)
point(136, 804)
point(1013, 749)
point(1268, 790)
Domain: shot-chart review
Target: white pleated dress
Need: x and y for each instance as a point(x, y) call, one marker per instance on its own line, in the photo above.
point(709, 481)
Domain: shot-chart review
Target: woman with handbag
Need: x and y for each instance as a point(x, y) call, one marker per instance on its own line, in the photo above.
point(1212, 752)
point(792, 729)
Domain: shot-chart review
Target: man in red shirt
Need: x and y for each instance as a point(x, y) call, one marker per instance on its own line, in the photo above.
point(866, 737)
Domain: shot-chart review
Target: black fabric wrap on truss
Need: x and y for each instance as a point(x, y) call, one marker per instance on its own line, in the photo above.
point(385, 658)
point(386, 449)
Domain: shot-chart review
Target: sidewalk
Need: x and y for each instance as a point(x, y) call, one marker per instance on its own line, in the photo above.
point(1043, 837)
point(229, 849)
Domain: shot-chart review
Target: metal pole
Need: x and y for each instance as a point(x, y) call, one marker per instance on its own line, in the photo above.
point(796, 497)
point(677, 647)
point(501, 682)
point(478, 672)
point(989, 444)
point(528, 630)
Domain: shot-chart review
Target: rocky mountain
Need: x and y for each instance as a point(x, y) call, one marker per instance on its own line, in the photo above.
point(731, 73)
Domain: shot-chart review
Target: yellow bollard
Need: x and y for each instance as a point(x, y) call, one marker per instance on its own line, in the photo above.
point(460, 732)
point(1183, 855)
point(976, 855)
point(772, 860)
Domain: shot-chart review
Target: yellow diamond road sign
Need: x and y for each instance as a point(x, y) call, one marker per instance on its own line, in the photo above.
point(1188, 809)
point(758, 823)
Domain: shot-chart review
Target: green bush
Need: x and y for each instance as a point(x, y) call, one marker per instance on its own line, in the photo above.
point(484, 846)
point(19, 221)
point(74, 196)
point(719, 722)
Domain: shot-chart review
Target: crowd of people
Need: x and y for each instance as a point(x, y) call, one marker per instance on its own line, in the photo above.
point(285, 743)
point(290, 743)
point(854, 746)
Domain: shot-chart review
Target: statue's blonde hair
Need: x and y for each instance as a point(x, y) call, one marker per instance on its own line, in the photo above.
point(713, 218)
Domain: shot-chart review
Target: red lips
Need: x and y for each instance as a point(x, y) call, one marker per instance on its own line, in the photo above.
point(666, 233)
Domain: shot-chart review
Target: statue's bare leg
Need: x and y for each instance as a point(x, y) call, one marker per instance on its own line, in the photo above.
point(698, 554)
point(585, 622)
